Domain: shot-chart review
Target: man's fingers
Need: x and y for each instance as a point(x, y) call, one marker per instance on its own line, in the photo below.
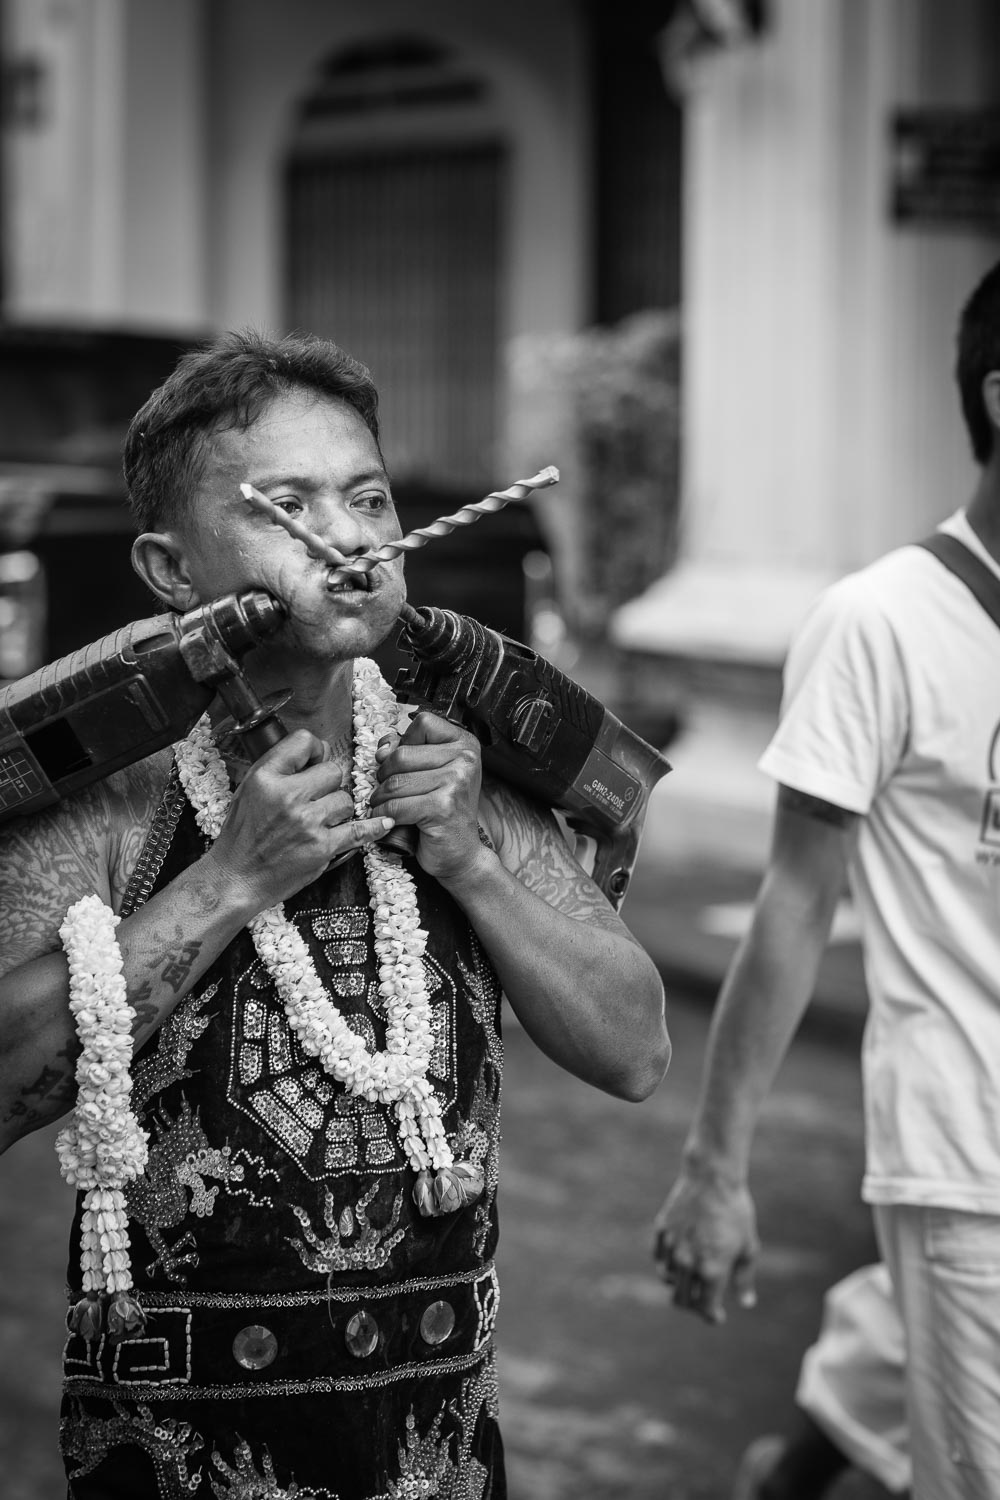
point(399, 788)
point(410, 760)
point(693, 1292)
point(430, 729)
point(744, 1282)
point(297, 750)
point(696, 1282)
point(386, 745)
point(321, 779)
point(306, 757)
point(686, 1284)
point(712, 1307)
point(354, 834)
point(368, 830)
point(358, 833)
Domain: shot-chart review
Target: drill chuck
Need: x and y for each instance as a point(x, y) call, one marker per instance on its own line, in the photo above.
point(121, 698)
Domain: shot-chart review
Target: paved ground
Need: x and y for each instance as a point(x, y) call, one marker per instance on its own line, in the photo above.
point(609, 1391)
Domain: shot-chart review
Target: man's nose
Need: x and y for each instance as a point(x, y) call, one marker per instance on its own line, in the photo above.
point(343, 527)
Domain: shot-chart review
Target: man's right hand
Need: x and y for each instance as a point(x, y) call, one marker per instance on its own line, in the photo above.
point(290, 818)
point(705, 1241)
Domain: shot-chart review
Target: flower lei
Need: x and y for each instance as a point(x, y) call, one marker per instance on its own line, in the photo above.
point(397, 1075)
point(104, 1147)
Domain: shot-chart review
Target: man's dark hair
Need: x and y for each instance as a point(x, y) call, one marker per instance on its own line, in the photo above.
point(224, 385)
point(978, 355)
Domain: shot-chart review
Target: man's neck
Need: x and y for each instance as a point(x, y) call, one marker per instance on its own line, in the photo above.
point(320, 701)
point(983, 510)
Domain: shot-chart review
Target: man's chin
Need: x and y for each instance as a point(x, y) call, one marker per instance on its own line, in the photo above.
point(344, 638)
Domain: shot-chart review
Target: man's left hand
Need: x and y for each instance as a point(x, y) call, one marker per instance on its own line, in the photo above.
point(431, 778)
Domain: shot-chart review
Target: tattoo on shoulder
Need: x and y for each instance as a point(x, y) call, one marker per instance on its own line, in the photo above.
point(531, 845)
point(46, 863)
point(815, 807)
point(135, 793)
point(86, 843)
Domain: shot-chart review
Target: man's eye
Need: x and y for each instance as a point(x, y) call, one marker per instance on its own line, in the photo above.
point(287, 503)
point(374, 501)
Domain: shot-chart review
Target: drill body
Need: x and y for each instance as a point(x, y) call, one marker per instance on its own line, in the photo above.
point(121, 698)
point(539, 730)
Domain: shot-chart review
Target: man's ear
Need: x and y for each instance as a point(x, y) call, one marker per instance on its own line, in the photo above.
point(158, 558)
point(991, 398)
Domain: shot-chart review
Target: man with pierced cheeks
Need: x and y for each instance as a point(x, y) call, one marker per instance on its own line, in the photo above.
point(313, 1327)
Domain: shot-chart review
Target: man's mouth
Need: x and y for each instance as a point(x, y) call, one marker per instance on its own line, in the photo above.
point(353, 582)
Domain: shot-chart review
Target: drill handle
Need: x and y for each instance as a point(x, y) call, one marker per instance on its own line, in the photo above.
point(261, 736)
point(608, 858)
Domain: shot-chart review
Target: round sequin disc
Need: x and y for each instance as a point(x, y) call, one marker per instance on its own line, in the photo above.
point(361, 1334)
point(437, 1322)
point(255, 1347)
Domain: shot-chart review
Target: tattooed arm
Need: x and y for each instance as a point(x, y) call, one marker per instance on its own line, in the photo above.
point(706, 1231)
point(85, 845)
point(585, 991)
point(288, 820)
point(582, 987)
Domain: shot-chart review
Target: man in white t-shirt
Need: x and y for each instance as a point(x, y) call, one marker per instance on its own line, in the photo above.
point(887, 759)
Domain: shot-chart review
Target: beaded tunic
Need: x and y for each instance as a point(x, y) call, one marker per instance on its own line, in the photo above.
point(309, 1333)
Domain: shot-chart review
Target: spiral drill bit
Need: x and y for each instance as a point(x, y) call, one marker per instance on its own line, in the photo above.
point(314, 545)
point(366, 561)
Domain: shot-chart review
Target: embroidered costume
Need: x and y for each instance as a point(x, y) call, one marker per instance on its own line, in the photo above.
point(310, 1332)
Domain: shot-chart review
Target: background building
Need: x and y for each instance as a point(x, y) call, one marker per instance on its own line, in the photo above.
point(435, 186)
point(424, 187)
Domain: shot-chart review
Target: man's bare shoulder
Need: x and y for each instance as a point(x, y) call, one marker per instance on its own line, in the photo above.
point(134, 794)
point(531, 845)
point(85, 844)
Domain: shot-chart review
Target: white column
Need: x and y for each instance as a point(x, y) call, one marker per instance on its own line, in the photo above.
point(761, 530)
point(820, 421)
point(759, 294)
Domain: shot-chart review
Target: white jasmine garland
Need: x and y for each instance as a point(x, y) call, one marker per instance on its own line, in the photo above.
point(104, 1147)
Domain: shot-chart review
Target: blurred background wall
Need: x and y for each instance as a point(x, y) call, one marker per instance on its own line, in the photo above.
point(705, 255)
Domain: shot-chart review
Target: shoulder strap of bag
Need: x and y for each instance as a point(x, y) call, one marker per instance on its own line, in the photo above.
point(977, 577)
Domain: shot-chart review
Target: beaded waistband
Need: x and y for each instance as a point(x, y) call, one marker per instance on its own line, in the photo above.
point(228, 1344)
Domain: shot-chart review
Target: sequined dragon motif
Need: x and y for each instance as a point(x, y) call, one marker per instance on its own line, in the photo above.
point(426, 1465)
point(242, 1480)
point(431, 1466)
point(174, 1185)
point(88, 1439)
point(168, 1064)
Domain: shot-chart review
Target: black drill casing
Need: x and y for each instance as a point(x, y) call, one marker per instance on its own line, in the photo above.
point(539, 731)
point(118, 699)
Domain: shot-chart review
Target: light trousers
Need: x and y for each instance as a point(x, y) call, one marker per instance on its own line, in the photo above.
point(945, 1269)
point(852, 1379)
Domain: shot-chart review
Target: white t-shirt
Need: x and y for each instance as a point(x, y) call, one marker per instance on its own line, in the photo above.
point(891, 709)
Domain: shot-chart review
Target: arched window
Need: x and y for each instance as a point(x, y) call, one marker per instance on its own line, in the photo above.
point(394, 192)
